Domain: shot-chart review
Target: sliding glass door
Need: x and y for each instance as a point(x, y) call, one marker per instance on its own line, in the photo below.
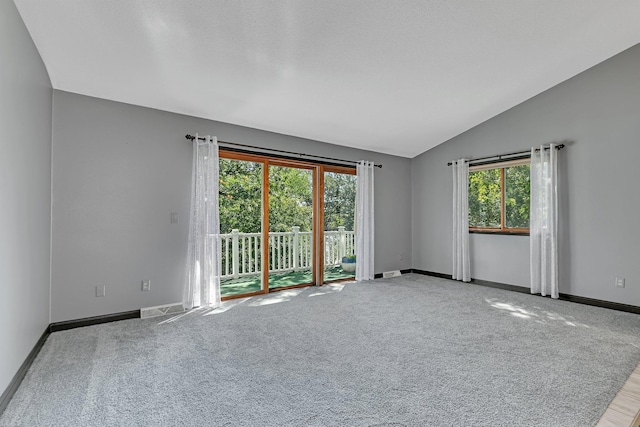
point(291, 229)
point(339, 203)
point(240, 201)
point(283, 224)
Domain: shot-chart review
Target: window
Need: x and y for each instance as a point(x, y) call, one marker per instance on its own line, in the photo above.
point(281, 218)
point(499, 195)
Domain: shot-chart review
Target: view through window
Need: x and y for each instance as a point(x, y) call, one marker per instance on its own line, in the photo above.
point(283, 224)
point(499, 197)
point(339, 225)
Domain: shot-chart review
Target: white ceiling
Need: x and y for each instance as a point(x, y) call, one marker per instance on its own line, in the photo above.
point(396, 77)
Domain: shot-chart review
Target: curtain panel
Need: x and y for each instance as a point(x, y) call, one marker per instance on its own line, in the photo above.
point(365, 229)
point(461, 259)
point(202, 283)
point(543, 228)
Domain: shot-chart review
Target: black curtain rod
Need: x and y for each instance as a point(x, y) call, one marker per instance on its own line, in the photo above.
point(501, 157)
point(191, 138)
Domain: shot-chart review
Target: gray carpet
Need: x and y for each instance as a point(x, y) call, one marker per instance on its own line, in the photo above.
point(413, 350)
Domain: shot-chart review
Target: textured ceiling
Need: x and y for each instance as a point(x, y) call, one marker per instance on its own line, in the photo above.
point(396, 77)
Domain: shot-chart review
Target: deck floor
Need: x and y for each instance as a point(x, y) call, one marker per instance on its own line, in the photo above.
point(252, 283)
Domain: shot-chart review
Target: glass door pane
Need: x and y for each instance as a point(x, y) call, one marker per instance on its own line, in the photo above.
point(339, 226)
point(290, 226)
point(240, 201)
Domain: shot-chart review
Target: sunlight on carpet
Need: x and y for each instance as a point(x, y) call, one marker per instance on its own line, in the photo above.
point(412, 350)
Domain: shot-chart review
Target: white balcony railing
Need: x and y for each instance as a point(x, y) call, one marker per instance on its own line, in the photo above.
point(288, 251)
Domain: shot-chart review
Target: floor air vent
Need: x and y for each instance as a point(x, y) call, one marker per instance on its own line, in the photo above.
point(161, 310)
point(394, 273)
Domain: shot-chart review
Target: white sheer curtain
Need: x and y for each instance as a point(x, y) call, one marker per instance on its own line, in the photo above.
point(543, 227)
point(364, 222)
point(461, 260)
point(202, 284)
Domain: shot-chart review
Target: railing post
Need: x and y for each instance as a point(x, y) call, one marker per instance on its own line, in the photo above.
point(342, 243)
point(234, 249)
point(296, 230)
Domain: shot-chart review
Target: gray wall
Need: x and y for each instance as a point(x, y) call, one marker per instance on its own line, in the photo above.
point(598, 111)
point(120, 170)
point(25, 193)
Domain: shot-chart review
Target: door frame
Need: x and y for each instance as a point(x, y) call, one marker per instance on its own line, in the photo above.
point(347, 170)
point(318, 170)
point(271, 161)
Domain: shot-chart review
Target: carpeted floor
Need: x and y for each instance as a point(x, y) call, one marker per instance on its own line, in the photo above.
point(413, 350)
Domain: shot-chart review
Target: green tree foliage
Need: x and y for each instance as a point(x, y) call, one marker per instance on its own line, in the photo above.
point(484, 198)
point(290, 198)
point(240, 196)
point(517, 196)
point(339, 201)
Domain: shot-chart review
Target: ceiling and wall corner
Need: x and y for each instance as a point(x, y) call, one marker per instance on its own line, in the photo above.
point(391, 77)
point(596, 115)
point(393, 80)
point(25, 194)
point(396, 78)
point(120, 170)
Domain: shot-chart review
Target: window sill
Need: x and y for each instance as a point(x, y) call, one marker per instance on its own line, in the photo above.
point(500, 232)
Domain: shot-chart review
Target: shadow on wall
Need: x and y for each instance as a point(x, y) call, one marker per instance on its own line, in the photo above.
point(564, 246)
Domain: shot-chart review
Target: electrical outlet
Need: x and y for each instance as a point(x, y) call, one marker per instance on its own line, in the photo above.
point(146, 285)
point(101, 290)
point(174, 217)
point(620, 282)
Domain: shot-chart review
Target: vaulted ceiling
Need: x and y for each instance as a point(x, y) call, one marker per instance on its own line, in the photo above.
point(397, 77)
